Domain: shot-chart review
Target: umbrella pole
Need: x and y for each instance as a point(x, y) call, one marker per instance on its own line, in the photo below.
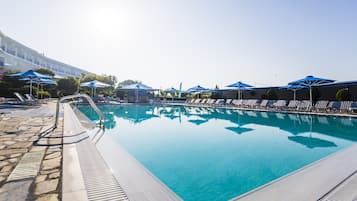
point(30, 86)
point(38, 87)
point(294, 94)
point(311, 96)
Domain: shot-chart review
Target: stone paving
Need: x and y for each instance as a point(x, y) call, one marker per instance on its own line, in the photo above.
point(20, 135)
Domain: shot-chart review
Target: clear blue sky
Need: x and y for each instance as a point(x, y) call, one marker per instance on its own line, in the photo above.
point(165, 42)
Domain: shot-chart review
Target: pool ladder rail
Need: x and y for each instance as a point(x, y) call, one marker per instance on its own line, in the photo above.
point(91, 103)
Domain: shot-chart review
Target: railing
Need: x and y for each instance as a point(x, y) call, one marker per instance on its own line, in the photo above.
point(91, 103)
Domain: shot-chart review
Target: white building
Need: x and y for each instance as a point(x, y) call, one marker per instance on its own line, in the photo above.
point(16, 56)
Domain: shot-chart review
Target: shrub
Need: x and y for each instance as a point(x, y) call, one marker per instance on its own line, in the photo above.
point(44, 94)
point(342, 95)
point(271, 94)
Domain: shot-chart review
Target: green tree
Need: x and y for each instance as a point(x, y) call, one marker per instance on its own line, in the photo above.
point(271, 94)
point(127, 82)
point(342, 95)
point(45, 71)
point(67, 86)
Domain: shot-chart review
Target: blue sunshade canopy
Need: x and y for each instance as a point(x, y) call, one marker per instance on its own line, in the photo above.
point(95, 84)
point(239, 85)
point(40, 80)
point(30, 74)
point(197, 88)
point(138, 86)
point(171, 90)
point(311, 81)
point(294, 87)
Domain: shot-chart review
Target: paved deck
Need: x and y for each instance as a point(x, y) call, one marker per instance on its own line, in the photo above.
point(30, 153)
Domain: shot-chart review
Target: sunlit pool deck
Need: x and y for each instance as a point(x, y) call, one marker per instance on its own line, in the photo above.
point(331, 178)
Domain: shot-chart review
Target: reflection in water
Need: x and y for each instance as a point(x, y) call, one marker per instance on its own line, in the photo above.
point(295, 124)
point(311, 142)
point(239, 130)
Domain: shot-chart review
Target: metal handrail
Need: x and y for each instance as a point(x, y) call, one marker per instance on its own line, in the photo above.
point(91, 103)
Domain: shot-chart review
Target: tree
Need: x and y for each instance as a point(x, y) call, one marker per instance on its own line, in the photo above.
point(342, 95)
point(67, 86)
point(127, 82)
point(271, 94)
point(45, 71)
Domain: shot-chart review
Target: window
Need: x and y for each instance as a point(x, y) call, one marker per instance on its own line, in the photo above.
point(2, 61)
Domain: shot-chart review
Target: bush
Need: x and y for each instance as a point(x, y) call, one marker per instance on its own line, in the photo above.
point(271, 94)
point(342, 95)
point(44, 94)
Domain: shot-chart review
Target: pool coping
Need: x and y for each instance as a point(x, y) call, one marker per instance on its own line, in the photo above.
point(74, 187)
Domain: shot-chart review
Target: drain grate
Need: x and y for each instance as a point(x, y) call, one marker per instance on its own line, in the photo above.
point(28, 166)
point(99, 181)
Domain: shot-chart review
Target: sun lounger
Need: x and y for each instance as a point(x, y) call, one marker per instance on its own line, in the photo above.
point(279, 104)
point(264, 103)
point(345, 106)
point(218, 102)
point(305, 105)
point(237, 103)
point(293, 104)
point(353, 107)
point(228, 102)
point(22, 99)
point(321, 105)
point(333, 106)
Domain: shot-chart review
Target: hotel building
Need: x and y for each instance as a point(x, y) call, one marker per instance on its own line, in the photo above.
point(16, 56)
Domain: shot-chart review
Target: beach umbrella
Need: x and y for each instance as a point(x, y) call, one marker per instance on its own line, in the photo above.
point(240, 86)
point(94, 84)
point(294, 88)
point(31, 75)
point(137, 87)
point(311, 81)
point(197, 88)
point(171, 91)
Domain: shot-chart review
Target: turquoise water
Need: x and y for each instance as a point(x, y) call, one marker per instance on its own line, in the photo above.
point(218, 154)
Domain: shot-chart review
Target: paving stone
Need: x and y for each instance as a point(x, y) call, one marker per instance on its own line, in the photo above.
point(38, 148)
point(51, 164)
point(12, 151)
point(45, 172)
point(21, 145)
point(9, 142)
point(2, 146)
point(13, 160)
point(46, 186)
point(15, 155)
point(6, 168)
point(4, 163)
point(2, 179)
point(54, 175)
point(53, 155)
point(48, 197)
point(2, 158)
point(40, 178)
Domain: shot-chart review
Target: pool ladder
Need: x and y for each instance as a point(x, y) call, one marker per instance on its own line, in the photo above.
point(91, 103)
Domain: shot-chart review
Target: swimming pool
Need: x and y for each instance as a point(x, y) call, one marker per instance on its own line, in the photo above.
point(218, 154)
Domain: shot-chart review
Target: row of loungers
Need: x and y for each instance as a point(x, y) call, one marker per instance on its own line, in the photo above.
point(303, 105)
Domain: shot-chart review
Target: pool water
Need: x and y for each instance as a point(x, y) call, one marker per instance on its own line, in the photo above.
point(218, 154)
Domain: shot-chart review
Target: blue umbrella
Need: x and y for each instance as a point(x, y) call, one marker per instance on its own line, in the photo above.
point(31, 75)
point(94, 84)
point(137, 87)
point(240, 86)
point(311, 81)
point(294, 88)
point(197, 88)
